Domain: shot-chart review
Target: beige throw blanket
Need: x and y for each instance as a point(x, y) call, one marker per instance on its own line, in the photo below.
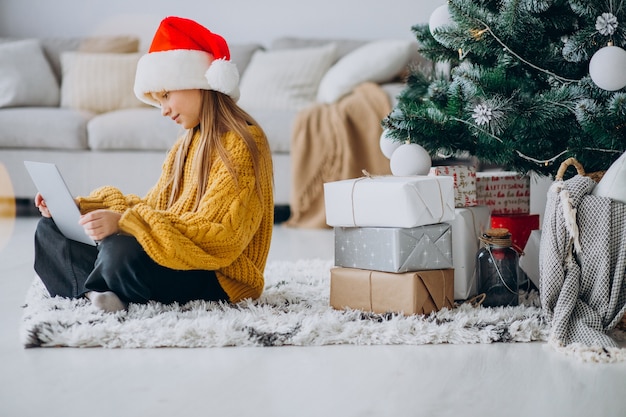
point(332, 142)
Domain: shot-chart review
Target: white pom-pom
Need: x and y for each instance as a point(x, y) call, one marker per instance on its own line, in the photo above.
point(223, 76)
point(410, 159)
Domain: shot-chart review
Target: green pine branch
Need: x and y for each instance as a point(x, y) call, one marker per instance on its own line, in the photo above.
point(518, 93)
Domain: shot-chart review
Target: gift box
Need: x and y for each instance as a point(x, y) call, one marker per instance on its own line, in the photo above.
point(389, 201)
point(469, 223)
point(464, 180)
point(417, 292)
point(393, 249)
point(503, 192)
point(529, 261)
point(519, 225)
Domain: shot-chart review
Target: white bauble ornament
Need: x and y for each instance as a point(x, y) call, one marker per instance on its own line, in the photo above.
point(606, 68)
point(440, 18)
point(410, 159)
point(387, 144)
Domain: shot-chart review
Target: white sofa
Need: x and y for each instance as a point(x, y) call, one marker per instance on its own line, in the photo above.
point(70, 101)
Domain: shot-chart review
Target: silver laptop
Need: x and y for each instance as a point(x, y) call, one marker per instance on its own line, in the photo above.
point(51, 185)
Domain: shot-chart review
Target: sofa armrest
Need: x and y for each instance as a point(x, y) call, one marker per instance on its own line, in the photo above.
point(393, 90)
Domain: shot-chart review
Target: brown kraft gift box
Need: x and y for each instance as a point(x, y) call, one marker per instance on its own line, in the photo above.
point(415, 292)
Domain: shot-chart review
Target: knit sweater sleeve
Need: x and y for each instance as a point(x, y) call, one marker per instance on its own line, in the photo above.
point(107, 197)
point(214, 235)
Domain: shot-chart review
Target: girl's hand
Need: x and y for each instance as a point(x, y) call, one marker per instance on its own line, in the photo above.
point(99, 224)
point(40, 203)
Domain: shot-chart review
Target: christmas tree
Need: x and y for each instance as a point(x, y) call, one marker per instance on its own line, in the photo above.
point(531, 83)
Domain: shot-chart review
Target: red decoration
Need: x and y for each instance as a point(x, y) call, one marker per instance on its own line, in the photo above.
point(519, 225)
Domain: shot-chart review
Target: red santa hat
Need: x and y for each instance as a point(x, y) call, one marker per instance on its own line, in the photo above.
point(185, 55)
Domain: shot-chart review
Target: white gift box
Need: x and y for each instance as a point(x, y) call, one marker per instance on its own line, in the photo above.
point(468, 224)
point(389, 201)
point(464, 183)
point(505, 192)
point(529, 261)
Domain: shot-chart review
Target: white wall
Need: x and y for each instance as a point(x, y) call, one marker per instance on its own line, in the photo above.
point(237, 20)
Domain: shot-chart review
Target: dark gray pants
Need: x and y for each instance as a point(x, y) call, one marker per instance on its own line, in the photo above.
point(119, 264)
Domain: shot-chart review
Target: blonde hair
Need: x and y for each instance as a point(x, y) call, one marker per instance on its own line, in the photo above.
point(219, 115)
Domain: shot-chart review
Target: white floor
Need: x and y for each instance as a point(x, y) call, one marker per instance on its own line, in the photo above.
point(433, 380)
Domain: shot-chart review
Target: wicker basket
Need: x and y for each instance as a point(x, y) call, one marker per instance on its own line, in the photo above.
point(596, 176)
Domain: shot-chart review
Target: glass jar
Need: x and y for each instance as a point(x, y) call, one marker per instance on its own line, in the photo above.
point(497, 269)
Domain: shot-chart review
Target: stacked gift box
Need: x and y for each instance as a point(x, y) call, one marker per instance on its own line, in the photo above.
point(504, 192)
point(464, 180)
point(393, 245)
point(399, 241)
point(472, 218)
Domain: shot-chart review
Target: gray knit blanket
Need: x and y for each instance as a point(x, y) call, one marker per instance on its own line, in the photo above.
point(582, 265)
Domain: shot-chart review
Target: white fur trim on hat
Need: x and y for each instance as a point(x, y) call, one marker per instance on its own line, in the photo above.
point(182, 69)
point(223, 76)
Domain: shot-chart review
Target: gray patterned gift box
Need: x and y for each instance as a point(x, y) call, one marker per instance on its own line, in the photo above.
point(394, 249)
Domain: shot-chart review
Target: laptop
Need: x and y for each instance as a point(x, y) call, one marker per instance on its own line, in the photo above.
point(52, 186)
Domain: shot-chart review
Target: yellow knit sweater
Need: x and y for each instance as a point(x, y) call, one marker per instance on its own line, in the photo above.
point(229, 233)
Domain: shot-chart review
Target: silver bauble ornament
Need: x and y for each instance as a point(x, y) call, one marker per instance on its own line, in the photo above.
point(606, 68)
point(387, 144)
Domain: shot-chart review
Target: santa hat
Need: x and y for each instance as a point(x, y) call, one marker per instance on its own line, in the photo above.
point(185, 55)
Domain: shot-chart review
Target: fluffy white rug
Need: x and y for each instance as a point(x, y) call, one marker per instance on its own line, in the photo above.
point(294, 310)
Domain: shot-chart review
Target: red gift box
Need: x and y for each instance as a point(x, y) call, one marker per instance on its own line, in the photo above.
point(519, 225)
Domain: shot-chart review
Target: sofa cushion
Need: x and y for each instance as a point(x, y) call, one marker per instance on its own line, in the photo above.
point(25, 76)
point(286, 78)
point(344, 46)
point(132, 129)
point(378, 62)
point(99, 82)
point(613, 182)
point(241, 54)
point(277, 125)
point(43, 127)
point(122, 44)
point(54, 46)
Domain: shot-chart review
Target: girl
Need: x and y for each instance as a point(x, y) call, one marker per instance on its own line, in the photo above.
point(204, 230)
